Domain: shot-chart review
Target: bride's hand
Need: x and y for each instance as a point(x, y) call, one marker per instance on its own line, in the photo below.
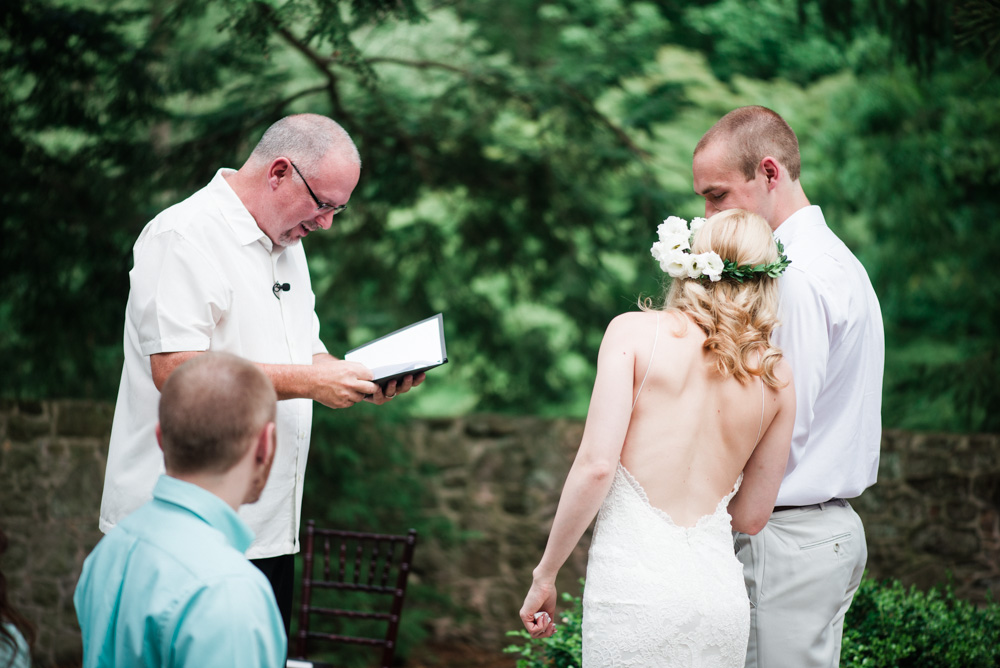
point(538, 610)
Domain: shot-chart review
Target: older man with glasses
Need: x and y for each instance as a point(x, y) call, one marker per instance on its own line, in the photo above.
point(224, 271)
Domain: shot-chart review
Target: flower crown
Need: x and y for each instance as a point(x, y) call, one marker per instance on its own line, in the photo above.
point(673, 252)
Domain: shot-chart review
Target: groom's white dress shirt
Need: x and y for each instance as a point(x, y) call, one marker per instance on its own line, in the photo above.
point(831, 333)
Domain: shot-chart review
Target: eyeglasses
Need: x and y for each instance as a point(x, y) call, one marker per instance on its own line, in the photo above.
point(320, 206)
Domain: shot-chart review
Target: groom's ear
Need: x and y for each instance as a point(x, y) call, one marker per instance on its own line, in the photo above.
point(771, 169)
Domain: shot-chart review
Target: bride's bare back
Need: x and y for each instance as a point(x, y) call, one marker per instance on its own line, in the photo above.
point(692, 431)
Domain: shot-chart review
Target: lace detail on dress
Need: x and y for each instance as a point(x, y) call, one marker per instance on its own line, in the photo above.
point(659, 594)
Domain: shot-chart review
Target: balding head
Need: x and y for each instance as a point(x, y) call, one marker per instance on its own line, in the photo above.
point(751, 133)
point(212, 409)
point(307, 139)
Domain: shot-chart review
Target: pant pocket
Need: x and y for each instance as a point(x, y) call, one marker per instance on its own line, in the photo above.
point(839, 538)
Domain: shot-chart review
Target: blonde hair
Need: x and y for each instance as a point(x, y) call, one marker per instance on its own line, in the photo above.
point(738, 318)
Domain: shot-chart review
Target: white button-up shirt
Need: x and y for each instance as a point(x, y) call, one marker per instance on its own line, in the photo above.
point(831, 333)
point(202, 280)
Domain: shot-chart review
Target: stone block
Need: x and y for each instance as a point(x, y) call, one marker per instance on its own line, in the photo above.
point(947, 542)
point(987, 450)
point(491, 426)
point(22, 428)
point(79, 493)
point(45, 593)
point(890, 467)
point(84, 419)
point(986, 489)
point(941, 487)
point(961, 512)
point(447, 450)
point(22, 472)
point(894, 440)
point(925, 464)
point(54, 547)
point(31, 407)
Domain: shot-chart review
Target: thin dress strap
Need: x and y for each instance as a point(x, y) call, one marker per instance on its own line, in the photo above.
point(761, 427)
point(651, 353)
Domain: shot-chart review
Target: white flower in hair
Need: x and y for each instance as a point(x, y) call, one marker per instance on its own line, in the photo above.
point(711, 265)
point(696, 224)
point(677, 242)
point(673, 252)
point(671, 227)
point(678, 264)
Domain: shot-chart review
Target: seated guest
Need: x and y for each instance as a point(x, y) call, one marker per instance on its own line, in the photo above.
point(16, 633)
point(170, 585)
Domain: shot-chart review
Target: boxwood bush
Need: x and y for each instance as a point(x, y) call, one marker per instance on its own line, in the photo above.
point(888, 626)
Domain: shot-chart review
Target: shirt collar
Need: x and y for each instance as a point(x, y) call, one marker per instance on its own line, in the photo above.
point(207, 506)
point(231, 206)
point(804, 218)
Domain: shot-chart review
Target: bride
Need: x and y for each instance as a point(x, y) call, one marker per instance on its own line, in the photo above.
point(691, 416)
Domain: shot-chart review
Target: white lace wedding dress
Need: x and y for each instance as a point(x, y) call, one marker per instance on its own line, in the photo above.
point(662, 595)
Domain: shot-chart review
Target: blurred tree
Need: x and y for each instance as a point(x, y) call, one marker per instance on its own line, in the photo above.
point(902, 154)
point(73, 90)
point(495, 187)
point(918, 159)
point(517, 156)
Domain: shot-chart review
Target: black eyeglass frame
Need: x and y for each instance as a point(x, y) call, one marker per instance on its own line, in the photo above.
point(320, 206)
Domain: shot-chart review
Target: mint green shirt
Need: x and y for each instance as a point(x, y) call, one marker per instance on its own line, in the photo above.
point(170, 586)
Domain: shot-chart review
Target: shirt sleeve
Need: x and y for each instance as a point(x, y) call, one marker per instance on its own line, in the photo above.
point(177, 295)
point(318, 347)
point(804, 338)
point(233, 622)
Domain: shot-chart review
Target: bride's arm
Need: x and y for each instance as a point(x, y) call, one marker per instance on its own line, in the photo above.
point(762, 475)
point(593, 469)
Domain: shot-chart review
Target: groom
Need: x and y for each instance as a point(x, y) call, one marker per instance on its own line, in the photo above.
point(813, 545)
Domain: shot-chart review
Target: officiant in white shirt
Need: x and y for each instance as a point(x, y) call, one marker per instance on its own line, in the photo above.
point(803, 567)
point(224, 270)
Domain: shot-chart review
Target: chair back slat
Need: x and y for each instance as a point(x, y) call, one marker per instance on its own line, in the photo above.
point(387, 564)
point(381, 566)
point(326, 557)
point(357, 562)
point(373, 562)
point(343, 561)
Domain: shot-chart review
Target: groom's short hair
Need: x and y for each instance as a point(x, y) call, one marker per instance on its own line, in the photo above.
point(750, 133)
point(212, 409)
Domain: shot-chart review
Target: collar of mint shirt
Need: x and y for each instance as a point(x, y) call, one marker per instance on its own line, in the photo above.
point(807, 216)
point(244, 225)
point(207, 506)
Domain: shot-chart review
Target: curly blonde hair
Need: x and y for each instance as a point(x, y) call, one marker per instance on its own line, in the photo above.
point(738, 318)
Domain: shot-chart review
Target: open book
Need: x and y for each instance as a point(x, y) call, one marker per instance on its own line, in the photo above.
point(409, 350)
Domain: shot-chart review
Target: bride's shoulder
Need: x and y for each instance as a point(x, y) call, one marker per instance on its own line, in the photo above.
point(639, 321)
point(628, 322)
point(642, 326)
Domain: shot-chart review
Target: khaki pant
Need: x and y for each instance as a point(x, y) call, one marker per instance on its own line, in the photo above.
point(801, 573)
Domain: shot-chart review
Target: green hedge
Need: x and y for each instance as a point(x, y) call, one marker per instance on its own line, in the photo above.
point(888, 626)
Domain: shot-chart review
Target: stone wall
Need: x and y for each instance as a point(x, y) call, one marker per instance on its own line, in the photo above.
point(52, 458)
point(935, 511)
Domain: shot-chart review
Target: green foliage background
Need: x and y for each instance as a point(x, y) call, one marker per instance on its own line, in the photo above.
point(517, 156)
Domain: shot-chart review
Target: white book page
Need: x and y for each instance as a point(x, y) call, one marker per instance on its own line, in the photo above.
point(411, 348)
